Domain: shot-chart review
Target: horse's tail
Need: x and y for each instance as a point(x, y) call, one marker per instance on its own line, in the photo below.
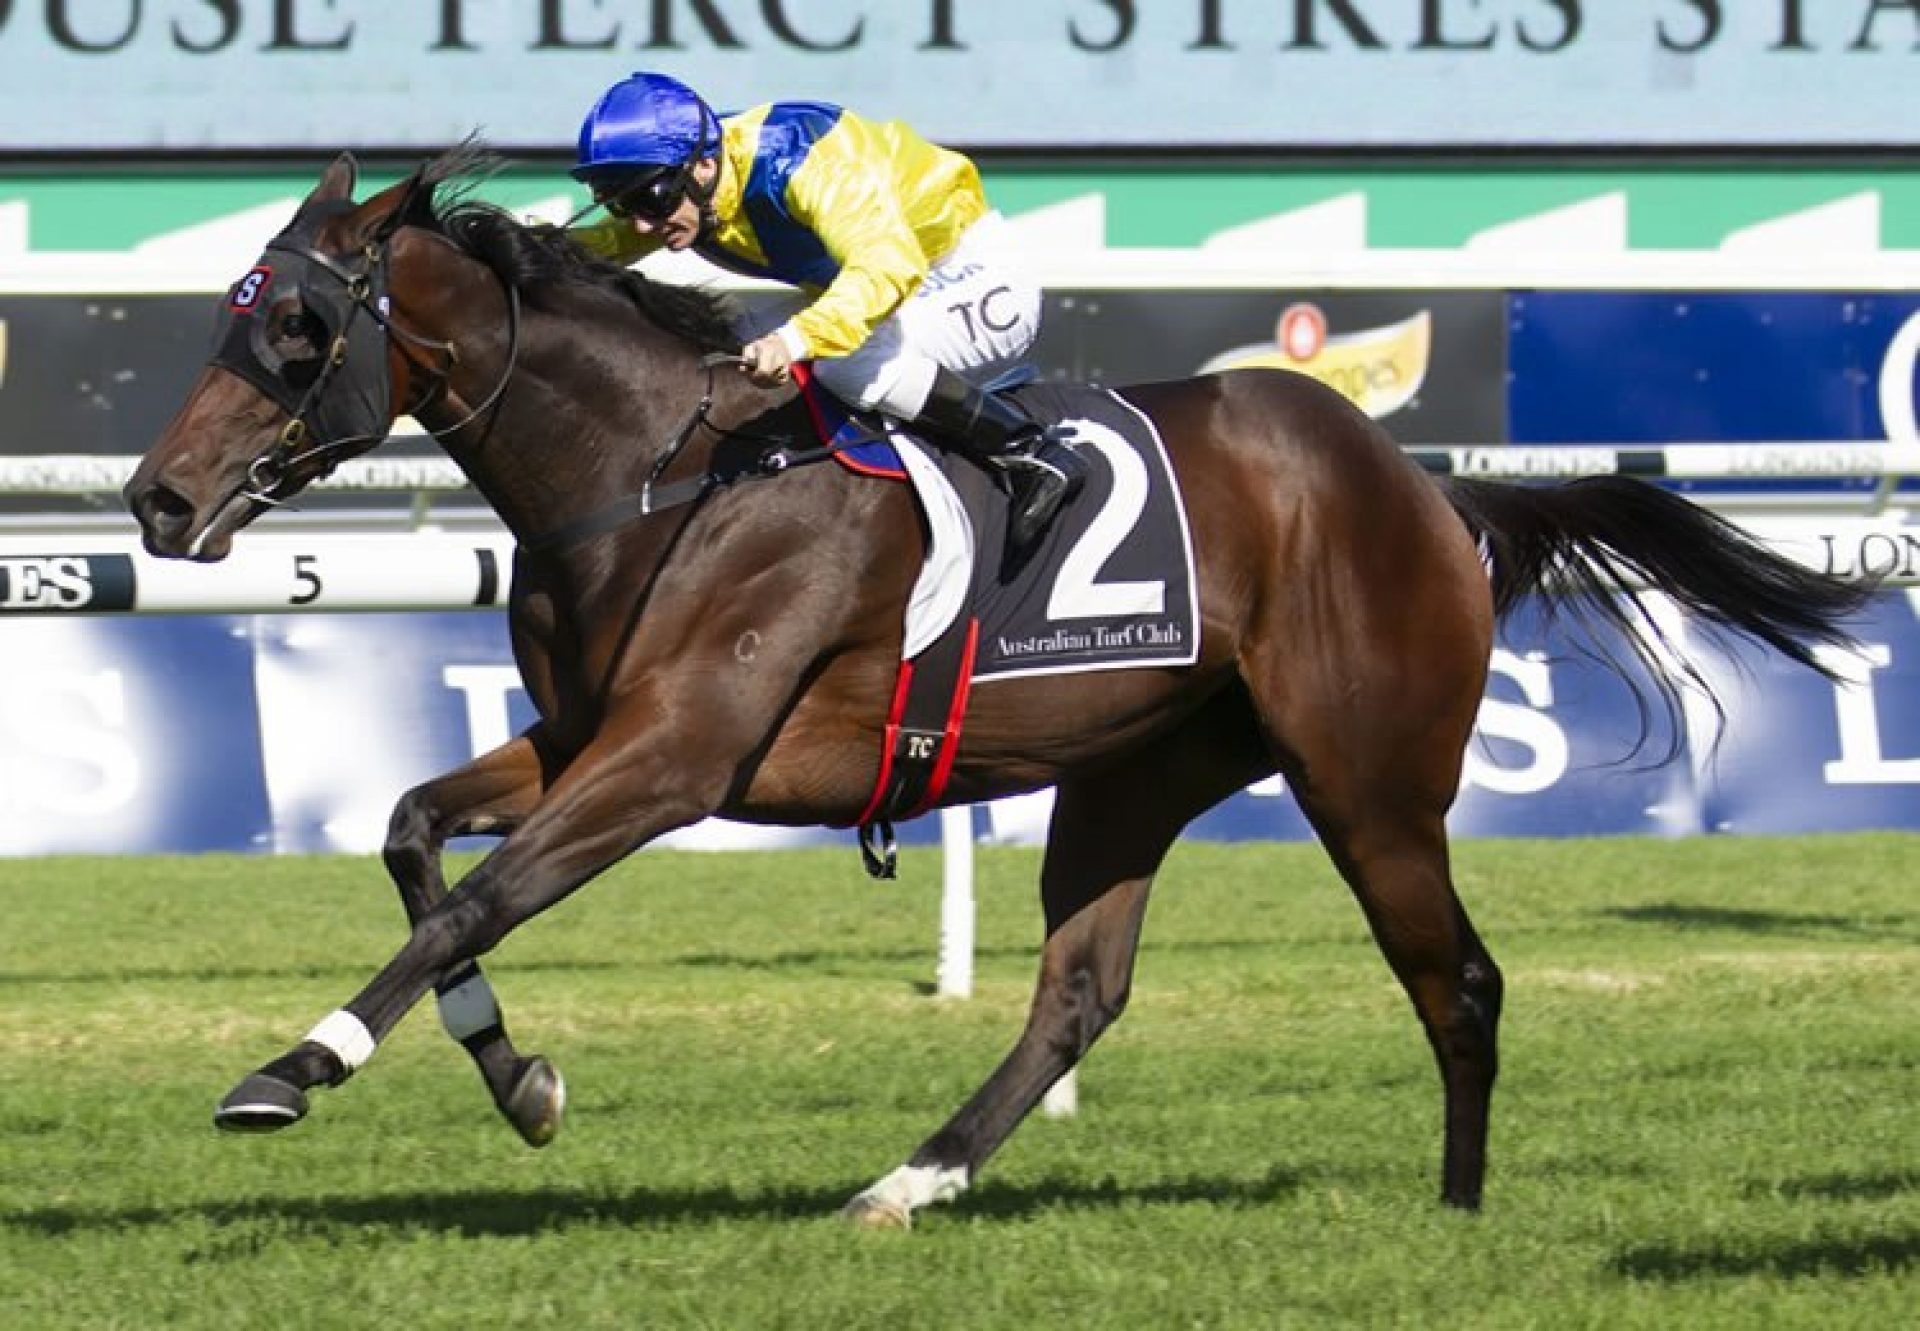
point(1585, 545)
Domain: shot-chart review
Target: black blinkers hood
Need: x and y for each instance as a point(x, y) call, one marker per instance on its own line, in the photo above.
point(339, 402)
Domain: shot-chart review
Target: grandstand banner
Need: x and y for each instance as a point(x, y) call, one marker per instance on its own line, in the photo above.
point(97, 373)
point(217, 75)
point(101, 373)
point(1699, 366)
point(185, 733)
point(1430, 365)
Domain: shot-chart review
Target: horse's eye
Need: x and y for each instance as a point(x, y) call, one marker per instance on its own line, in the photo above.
point(298, 340)
point(299, 331)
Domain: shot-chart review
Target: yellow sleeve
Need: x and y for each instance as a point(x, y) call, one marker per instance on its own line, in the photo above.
point(846, 195)
point(614, 240)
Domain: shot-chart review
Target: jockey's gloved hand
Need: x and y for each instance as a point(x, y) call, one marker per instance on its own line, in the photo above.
point(767, 361)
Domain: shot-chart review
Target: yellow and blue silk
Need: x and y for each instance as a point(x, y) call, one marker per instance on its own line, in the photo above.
point(851, 210)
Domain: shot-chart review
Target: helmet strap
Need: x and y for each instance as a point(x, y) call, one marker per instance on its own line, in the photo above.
point(702, 196)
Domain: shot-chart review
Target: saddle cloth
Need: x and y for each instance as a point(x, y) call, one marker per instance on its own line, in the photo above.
point(1110, 585)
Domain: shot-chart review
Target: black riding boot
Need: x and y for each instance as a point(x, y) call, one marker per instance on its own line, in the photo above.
point(1042, 472)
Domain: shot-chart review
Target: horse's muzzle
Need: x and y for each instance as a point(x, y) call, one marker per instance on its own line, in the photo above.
point(170, 527)
point(165, 517)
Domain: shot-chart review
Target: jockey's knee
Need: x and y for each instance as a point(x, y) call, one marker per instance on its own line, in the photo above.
point(896, 385)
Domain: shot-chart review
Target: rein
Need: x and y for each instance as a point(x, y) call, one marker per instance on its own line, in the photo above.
point(778, 455)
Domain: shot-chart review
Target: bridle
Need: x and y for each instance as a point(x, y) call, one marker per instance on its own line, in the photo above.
point(355, 368)
point(361, 291)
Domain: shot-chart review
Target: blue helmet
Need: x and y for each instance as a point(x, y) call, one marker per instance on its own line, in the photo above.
point(645, 120)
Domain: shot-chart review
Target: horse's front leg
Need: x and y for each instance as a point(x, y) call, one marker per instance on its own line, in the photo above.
point(613, 797)
point(488, 796)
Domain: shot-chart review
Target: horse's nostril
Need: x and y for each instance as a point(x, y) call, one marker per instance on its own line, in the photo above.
point(165, 503)
point(160, 510)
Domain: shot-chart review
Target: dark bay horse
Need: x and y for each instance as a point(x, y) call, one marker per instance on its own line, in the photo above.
point(735, 655)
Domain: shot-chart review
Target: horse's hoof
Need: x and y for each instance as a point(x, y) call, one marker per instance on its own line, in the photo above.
point(537, 1102)
point(261, 1104)
point(871, 1212)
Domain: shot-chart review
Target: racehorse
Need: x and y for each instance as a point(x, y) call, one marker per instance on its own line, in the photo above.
point(734, 655)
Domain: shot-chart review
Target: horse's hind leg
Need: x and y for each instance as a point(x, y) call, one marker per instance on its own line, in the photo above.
point(1110, 831)
point(1398, 870)
point(1376, 777)
point(488, 796)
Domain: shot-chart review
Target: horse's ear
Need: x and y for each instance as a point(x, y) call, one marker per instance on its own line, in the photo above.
point(337, 181)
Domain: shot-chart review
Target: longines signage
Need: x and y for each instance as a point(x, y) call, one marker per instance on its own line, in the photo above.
point(264, 74)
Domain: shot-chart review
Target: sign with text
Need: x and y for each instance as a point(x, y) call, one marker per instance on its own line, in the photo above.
point(1710, 367)
point(217, 75)
point(1429, 365)
point(298, 733)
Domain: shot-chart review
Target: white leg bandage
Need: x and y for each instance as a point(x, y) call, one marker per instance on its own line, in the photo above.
point(915, 1186)
point(347, 1036)
point(469, 1007)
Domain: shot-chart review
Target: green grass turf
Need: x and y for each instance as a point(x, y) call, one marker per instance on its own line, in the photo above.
point(1706, 1116)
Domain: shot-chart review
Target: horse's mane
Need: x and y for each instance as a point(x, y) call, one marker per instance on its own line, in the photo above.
point(540, 260)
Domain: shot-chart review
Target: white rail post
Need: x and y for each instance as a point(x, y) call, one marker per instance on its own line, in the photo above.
point(953, 971)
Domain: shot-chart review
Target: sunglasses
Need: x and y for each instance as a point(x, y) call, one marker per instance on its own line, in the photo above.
point(652, 197)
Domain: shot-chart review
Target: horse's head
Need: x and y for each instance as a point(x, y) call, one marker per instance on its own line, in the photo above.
point(307, 370)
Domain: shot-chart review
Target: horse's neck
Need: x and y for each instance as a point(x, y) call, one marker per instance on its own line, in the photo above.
point(581, 424)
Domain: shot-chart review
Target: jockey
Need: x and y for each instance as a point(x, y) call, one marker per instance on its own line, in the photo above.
point(905, 298)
